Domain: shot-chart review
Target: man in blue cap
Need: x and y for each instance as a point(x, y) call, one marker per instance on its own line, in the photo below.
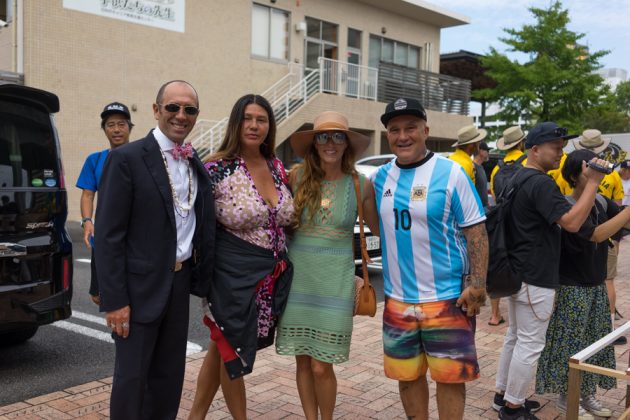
point(539, 210)
point(116, 124)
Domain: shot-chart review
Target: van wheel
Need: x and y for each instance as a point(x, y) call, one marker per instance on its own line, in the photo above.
point(19, 336)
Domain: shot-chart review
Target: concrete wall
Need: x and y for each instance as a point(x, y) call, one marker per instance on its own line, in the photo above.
point(90, 60)
point(7, 47)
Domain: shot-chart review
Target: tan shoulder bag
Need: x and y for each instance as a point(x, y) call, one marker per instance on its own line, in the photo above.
point(365, 296)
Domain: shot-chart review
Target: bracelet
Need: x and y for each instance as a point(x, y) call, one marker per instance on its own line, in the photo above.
point(85, 220)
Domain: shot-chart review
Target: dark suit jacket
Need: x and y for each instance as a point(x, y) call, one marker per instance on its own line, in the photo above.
point(137, 238)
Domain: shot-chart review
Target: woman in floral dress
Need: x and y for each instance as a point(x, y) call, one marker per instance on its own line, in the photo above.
point(252, 274)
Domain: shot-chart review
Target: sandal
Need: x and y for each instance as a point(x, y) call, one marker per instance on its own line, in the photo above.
point(501, 321)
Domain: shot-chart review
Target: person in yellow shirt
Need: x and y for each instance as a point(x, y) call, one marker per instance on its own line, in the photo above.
point(556, 174)
point(512, 142)
point(467, 143)
point(612, 188)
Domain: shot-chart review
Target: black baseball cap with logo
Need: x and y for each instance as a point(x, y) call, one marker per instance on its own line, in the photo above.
point(403, 106)
point(115, 108)
point(546, 132)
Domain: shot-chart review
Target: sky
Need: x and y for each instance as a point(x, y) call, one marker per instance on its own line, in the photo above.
point(605, 23)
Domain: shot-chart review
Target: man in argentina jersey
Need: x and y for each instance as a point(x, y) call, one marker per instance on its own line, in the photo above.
point(434, 240)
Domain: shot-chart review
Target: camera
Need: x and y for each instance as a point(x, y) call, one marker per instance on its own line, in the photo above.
point(607, 169)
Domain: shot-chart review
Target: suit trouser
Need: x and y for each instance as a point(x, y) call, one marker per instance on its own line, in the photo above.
point(529, 311)
point(94, 291)
point(150, 362)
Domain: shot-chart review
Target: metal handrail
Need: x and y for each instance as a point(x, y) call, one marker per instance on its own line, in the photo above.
point(282, 86)
point(437, 92)
point(577, 365)
point(296, 97)
point(348, 79)
point(207, 139)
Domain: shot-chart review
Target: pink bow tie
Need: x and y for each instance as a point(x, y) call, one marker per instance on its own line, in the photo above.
point(185, 151)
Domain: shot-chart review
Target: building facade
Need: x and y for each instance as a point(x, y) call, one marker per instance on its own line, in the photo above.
point(306, 56)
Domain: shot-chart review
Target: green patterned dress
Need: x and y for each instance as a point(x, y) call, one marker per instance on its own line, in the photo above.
point(317, 321)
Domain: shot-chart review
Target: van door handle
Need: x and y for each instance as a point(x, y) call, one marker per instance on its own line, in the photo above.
point(8, 249)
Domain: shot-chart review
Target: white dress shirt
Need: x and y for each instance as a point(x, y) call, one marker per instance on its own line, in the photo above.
point(178, 171)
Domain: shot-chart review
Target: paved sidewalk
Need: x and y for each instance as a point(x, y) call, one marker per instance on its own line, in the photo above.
point(364, 392)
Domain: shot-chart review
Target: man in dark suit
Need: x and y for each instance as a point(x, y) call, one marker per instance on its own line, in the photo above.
point(155, 246)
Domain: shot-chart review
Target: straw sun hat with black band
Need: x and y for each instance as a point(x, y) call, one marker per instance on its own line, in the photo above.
point(328, 121)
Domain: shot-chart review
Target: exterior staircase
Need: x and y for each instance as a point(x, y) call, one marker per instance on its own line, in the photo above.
point(292, 93)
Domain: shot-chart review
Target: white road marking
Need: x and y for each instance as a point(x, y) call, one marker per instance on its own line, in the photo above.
point(84, 260)
point(90, 318)
point(191, 348)
point(80, 329)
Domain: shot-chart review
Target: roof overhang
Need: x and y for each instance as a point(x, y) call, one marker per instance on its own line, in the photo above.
point(421, 11)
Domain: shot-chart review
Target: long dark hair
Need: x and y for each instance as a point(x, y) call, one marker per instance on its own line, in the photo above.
point(572, 167)
point(231, 146)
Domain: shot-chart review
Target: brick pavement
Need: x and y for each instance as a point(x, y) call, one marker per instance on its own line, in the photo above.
point(364, 392)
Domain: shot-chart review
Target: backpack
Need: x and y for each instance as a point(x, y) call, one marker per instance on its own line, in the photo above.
point(501, 280)
point(505, 173)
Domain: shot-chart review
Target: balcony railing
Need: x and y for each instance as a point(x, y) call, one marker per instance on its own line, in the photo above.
point(294, 90)
point(435, 91)
point(347, 79)
point(11, 77)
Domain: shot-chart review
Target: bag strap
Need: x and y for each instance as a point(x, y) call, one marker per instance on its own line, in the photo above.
point(364, 254)
point(513, 186)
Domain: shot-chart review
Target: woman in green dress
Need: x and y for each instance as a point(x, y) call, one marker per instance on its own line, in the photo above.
point(316, 326)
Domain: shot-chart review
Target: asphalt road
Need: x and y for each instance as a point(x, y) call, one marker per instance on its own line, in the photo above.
point(79, 349)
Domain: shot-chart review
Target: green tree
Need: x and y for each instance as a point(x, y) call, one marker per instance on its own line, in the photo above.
point(556, 80)
point(611, 114)
point(607, 120)
point(622, 94)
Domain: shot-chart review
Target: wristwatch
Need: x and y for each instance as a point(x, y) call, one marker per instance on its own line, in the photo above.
point(86, 219)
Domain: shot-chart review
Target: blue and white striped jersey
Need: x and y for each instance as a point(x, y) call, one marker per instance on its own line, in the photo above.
point(422, 210)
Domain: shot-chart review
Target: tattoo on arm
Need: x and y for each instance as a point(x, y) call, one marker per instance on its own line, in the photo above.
point(477, 243)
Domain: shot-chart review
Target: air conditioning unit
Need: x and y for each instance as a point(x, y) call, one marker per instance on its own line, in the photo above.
point(300, 27)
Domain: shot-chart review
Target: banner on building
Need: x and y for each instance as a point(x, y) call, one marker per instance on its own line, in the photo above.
point(163, 14)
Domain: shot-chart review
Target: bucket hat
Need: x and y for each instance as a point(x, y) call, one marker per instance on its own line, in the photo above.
point(512, 136)
point(469, 134)
point(592, 140)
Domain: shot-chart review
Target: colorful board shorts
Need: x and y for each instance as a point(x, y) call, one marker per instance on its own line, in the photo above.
point(437, 336)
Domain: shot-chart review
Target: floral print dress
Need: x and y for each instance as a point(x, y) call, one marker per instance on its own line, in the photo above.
point(243, 212)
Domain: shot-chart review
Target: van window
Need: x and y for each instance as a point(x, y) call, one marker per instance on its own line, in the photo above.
point(28, 152)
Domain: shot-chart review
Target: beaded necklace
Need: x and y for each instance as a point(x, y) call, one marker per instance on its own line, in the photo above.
point(179, 207)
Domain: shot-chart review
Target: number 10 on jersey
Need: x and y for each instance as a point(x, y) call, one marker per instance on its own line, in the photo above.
point(402, 219)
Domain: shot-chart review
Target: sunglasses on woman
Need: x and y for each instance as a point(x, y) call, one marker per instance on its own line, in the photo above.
point(337, 138)
point(174, 108)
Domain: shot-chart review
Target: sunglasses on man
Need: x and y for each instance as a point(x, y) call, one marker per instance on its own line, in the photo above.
point(337, 138)
point(174, 108)
point(558, 132)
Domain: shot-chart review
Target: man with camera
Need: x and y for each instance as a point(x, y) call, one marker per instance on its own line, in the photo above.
point(538, 213)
